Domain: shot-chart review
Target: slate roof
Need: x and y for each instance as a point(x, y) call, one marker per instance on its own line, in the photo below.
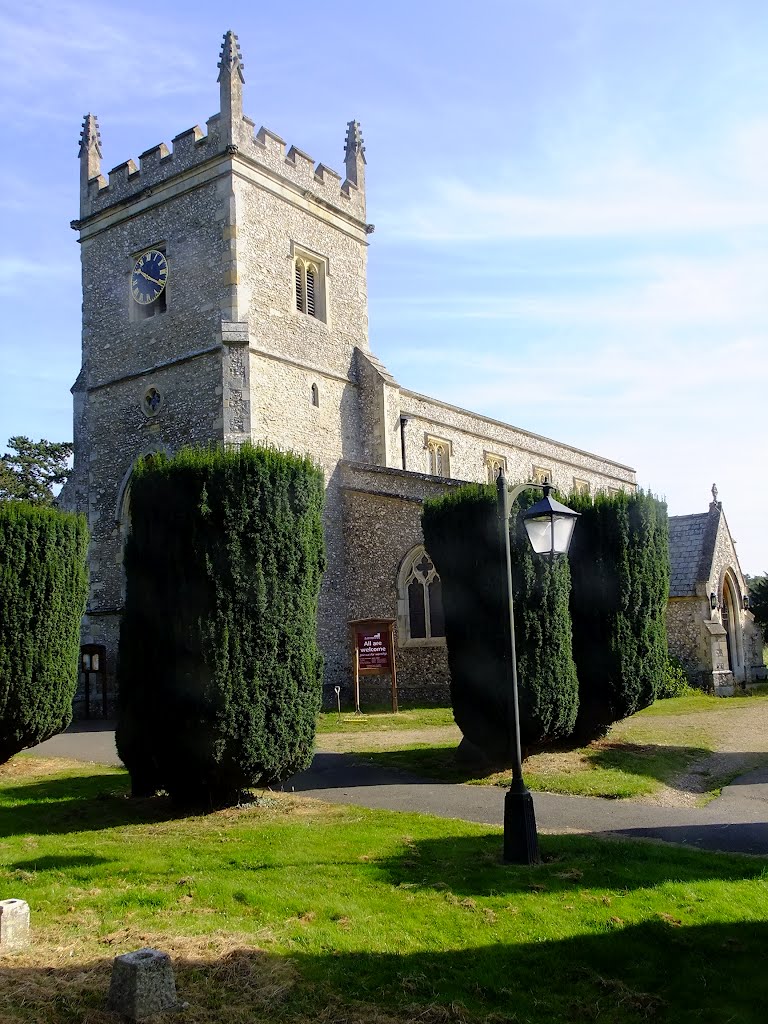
point(691, 550)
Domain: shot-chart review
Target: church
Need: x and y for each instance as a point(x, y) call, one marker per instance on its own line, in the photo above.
point(224, 300)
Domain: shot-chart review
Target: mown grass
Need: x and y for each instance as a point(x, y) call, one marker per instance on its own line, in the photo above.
point(639, 756)
point(380, 720)
point(294, 911)
point(697, 701)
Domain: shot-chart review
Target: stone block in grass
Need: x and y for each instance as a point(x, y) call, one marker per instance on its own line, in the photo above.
point(14, 925)
point(142, 984)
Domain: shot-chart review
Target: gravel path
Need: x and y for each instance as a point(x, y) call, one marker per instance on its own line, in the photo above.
point(740, 735)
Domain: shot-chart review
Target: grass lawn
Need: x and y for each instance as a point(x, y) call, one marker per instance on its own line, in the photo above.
point(295, 911)
point(635, 760)
point(378, 720)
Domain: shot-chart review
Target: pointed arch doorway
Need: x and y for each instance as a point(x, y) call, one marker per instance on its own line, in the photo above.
point(731, 624)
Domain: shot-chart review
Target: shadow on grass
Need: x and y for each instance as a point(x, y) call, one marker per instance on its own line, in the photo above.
point(622, 975)
point(473, 866)
point(651, 760)
point(80, 804)
point(658, 762)
point(54, 862)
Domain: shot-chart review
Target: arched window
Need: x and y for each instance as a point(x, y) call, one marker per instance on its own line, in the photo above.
point(493, 465)
point(315, 395)
point(309, 277)
point(420, 601)
point(438, 453)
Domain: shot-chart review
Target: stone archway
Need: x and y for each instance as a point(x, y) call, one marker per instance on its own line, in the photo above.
point(730, 607)
point(123, 507)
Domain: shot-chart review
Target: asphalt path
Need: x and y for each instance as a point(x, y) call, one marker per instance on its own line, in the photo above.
point(736, 822)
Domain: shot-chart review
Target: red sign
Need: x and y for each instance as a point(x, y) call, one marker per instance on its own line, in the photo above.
point(372, 650)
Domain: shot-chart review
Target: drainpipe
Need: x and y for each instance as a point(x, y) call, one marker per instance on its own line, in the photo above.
point(403, 421)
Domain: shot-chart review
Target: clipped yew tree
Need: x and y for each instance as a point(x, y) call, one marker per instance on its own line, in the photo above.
point(461, 534)
point(43, 588)
point(220, 674)
point(620, 587)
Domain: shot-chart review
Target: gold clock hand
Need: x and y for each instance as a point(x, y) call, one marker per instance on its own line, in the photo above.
point(152, 279)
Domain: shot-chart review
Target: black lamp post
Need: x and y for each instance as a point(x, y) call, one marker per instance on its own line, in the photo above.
point(549, 526)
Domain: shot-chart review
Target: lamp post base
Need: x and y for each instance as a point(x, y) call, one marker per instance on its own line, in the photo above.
point(521, 843)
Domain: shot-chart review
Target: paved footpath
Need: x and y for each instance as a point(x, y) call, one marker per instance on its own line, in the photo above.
point(736, 822)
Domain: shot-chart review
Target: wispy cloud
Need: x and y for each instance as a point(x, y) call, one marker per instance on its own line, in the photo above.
point(16, 273)
point(594, 196)
point(662, 292)
point(458, 212)
point(50, 52)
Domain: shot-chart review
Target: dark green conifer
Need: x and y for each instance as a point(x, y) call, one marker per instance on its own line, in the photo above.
point(43, 587)
point(461, 533)
point(620, 571)
point(220, 673)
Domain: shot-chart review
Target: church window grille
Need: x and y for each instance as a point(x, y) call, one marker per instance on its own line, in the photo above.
point(438, 455)
point(422, 620)
point(152, 402)
point(309, 286)
point(493, 464)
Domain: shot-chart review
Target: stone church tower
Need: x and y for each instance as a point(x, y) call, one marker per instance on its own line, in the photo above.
point(225, 299)
point(254, 335)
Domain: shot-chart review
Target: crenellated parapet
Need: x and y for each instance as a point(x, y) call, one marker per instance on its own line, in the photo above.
point(156, 165)
point(230, 136)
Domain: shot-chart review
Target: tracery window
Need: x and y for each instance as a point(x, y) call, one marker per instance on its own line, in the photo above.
point(493, 464)
point(421, 618)
point(541, 475)
point(438, 454)
point(580, 486)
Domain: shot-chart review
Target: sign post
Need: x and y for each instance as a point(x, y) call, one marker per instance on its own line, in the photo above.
point(374, 647)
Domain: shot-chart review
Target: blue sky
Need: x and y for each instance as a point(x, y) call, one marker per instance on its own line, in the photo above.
point(570, 199)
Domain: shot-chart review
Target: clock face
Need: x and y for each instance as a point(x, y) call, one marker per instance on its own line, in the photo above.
point(149, 277)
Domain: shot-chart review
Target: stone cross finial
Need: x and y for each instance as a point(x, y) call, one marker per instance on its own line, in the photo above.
point(354, 155)
point(90, 138)
point(714, 492)
point(231, 58)
point(90, 157)
point(231, 90)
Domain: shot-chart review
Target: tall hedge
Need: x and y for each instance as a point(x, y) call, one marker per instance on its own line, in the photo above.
point(462, 536)
point(220, 674)
point(620, 571)
point(43, 588)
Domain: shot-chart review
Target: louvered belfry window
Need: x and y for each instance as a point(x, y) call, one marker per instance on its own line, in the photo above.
point(308, 285)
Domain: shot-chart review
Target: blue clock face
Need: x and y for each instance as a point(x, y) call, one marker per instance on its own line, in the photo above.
point(149, 277)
